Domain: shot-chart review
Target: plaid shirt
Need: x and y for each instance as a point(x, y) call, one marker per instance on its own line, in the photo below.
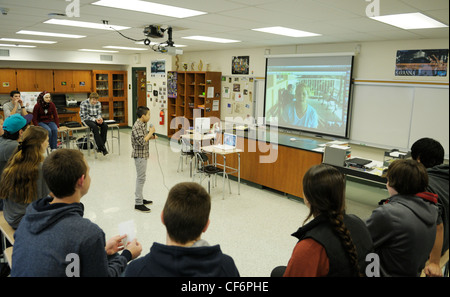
point(90, 112)
point(140, 146)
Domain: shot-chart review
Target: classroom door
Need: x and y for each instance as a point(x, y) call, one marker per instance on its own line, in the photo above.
point(141, 87)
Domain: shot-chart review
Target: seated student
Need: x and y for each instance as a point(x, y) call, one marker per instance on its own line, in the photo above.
point(22, 180)
point(13, 129)
point(430, 153)
point(91, 115)
point(333, 243)
point(1, 125)
point(186, 217)
point(46, 116)
point(53, 232)
point(15, 106)
point(403, 228)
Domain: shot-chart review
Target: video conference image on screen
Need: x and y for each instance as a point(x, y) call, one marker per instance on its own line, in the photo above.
point(309, 93)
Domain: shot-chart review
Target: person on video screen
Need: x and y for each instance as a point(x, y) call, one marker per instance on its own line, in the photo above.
point(298, 112)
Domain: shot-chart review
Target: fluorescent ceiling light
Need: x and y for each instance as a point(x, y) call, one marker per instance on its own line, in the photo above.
point(27, 40)
point(97, 51)
point(286, 32)
point(26, 32)
point(16, 45)
point(149, 7)
point(126, 48)
point(211, 39)
point(408, 21)
point(84, 24)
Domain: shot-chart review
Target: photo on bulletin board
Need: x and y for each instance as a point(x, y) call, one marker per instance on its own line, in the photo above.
point(240, 65)
point(158, 67)
point(421, 62)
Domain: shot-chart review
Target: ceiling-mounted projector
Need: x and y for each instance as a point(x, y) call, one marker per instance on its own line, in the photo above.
point(167, 47)
point(154, 31)
point(170, 50)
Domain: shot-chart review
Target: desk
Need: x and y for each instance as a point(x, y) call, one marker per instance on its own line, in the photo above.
point(66, 130)
point(367, 174)
point(65, 114)
point(112, 127)
point(198, 139)
point(284, 172)
point(223, 153)
point(63, 130)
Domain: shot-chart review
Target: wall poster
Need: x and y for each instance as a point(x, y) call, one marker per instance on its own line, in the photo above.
point(432, 62)
point(240, 65)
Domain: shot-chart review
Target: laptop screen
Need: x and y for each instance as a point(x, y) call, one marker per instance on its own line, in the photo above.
point(229, 139)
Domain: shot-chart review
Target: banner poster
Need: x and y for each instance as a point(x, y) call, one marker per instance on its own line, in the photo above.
point(431, 62)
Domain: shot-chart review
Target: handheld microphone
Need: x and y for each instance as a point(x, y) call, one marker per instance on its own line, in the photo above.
point(151, 126)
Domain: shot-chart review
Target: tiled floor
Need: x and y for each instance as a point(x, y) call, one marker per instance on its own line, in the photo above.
point(254, 227)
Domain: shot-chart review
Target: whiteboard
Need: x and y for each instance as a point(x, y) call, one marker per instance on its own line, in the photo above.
point(396, 115)
point(430, 116)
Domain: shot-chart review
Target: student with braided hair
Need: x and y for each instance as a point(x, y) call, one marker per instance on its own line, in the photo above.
point(333, 243)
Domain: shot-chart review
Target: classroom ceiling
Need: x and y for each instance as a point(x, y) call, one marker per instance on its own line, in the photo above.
point(338, 21)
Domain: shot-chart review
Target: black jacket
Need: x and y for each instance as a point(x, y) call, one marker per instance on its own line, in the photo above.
point(175, 261)
point(321, 230)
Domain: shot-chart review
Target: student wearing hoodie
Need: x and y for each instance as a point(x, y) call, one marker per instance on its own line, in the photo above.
point(403, 228)
point(53, 238)
point(185, 254)
point(430, 153)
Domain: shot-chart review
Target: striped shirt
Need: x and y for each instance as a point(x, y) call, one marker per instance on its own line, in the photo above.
point(90, 112)
point(140, 146)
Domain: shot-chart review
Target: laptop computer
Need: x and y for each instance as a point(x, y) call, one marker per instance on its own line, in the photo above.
point(229, 142)
point(358, 162)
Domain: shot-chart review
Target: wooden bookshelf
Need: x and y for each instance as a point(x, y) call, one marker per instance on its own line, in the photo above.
point(194, 96)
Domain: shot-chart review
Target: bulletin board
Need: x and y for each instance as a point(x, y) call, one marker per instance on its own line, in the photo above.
point(238, 98)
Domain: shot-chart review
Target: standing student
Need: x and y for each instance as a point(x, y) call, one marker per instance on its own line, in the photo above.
point(46, 116)
point(430, 153)
point(53, 238)
point(22, 180)
point(140, 138)
point(403, 228)
point(185, 254)
point(333, 243)
point(91, 115)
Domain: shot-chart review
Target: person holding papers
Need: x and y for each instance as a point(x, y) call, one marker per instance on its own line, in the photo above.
point(53, 239)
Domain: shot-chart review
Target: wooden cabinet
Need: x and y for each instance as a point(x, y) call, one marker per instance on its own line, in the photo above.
point(197, 94)
point(34, 80)
point(111, 86)
point(72, 81)
point(283, 173)
point(8, 81)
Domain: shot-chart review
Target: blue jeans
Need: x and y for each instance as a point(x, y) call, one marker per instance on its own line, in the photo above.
point(52, 133)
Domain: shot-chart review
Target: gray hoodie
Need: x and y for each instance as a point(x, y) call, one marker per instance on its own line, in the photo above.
point(403, 231)
point(438, 184)
point(50, 236)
